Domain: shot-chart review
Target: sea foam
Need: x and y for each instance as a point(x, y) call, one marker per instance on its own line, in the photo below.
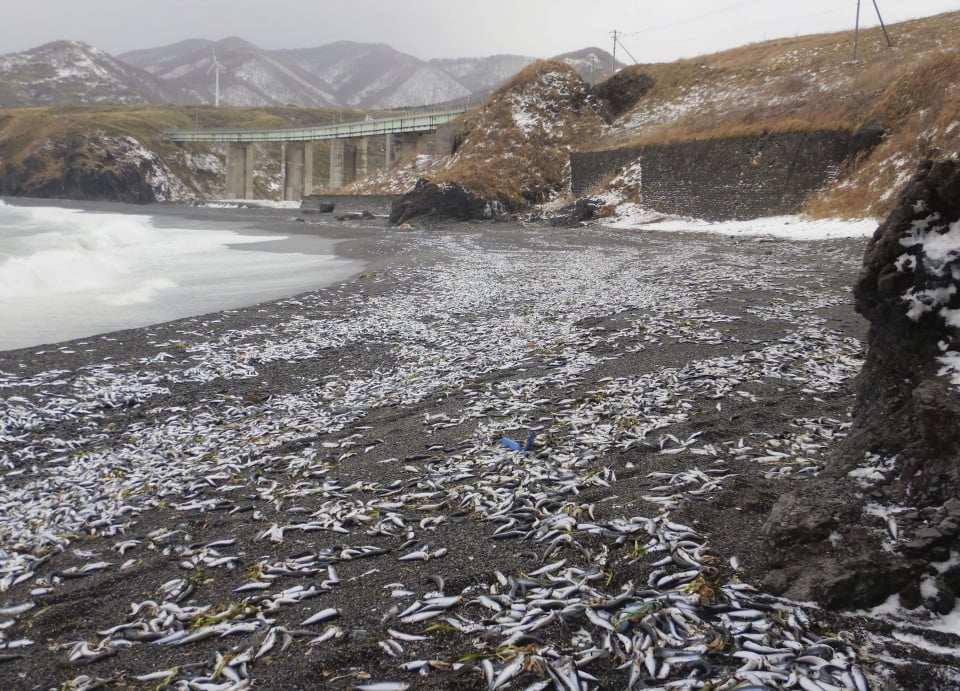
point(66, 273)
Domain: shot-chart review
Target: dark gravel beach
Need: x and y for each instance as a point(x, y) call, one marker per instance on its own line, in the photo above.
point(179, 500)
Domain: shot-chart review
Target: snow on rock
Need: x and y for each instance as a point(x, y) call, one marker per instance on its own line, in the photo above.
point(203, 163)
point(933, 251)
point(909, 390)
point(166, 186)
point(400, 178)
point(931, 262)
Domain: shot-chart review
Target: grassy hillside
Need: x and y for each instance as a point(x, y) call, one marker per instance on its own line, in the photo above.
point(811, 82)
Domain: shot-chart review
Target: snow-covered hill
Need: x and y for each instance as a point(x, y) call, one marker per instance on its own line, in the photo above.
point(73, 72)
point(344, 74)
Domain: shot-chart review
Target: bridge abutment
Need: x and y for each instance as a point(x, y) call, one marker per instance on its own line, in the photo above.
point(239, 183)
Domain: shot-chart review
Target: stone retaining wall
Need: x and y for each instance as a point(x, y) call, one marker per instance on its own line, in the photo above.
point(345, 203)
point(744, 177)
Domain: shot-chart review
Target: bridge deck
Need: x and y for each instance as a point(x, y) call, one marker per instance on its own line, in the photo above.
point(405, 123)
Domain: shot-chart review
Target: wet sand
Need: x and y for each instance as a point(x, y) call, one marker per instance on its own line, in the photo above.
point(232, 474)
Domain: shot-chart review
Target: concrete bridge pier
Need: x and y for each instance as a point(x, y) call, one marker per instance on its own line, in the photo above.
point(363, 151)
point(298, 170)
point(349, 159)
point(239, 183)
point(337, 155)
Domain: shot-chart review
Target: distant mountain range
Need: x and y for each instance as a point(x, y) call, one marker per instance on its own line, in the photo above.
point(338, 75)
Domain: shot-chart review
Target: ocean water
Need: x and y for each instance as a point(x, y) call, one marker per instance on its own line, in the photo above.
point(68, 273)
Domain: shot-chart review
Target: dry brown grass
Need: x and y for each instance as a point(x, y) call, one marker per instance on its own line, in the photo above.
point(812, 83)
point(500, 160)
point(921, 112)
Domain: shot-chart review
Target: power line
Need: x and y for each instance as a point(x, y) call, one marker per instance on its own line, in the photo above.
point(856, 30)
point(694, 18)
point(616, 41)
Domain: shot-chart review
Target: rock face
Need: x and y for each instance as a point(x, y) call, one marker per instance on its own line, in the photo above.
point(824, 544)
point(909, 290)
point(622, 91)
point(94, 167)
point(446, 201)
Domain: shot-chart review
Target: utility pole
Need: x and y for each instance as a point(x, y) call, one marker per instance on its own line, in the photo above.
point(613, 63)
point(616, 41)
point(856, 30)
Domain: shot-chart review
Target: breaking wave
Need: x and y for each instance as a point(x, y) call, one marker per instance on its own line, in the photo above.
point(66, 273)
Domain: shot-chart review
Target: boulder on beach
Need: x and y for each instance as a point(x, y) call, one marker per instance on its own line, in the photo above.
point(444, 201)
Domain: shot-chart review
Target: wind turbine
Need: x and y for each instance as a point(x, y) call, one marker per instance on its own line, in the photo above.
point(215, 68)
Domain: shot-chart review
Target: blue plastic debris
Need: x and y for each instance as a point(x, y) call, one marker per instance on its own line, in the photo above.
point(511, 444)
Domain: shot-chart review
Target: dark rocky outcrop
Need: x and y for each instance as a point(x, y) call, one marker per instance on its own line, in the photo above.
point(445, 201)
point(622, 91)
point(865, 138)
point(94, 167)
point(820, 549)
point(83, 178)
point(909, 283)
point(823, 545)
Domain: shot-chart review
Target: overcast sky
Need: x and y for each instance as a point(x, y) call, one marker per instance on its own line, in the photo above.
point(652, 30)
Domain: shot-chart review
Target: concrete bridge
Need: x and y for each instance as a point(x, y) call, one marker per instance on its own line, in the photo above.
point(349, 148)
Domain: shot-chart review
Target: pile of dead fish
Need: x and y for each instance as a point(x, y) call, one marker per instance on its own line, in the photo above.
point(613, 583)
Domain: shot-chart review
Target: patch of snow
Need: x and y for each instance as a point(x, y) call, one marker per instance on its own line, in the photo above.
point(874, 469)
point(635, 217)
point(261, 203)
point(928, 587)
point(525, 119)
point(184, 69)
point(866, 476)
point(933, 252)
point(938, 247)
point(203, 163)
point(951, 367)
point(893, 610)
point(921, 642)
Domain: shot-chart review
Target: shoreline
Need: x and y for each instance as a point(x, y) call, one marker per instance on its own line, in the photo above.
point(279, 232)
point(338, 453)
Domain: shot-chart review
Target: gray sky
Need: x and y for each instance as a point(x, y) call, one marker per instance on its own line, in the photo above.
point(652, 30)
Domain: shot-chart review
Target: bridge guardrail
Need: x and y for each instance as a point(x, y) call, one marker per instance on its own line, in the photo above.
point(366, 128)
